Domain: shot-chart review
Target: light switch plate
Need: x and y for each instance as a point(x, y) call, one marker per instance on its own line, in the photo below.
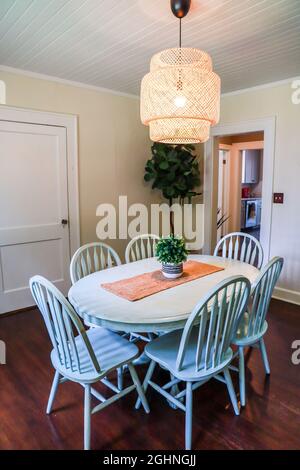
point(278, 198)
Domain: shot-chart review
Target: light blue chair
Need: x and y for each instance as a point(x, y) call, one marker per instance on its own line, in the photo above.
point(91, 258)
point(141, 247)
point(85, 357)
point(253, 325)
point(242, 247)
point(202, 350)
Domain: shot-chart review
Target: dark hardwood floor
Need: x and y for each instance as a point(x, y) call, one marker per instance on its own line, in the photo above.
point(271, 419)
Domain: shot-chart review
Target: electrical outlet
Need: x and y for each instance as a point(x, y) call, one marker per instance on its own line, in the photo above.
point(278, 198)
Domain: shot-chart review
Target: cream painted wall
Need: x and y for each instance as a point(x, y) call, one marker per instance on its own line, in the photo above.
point(285, 230)
point(113, 144)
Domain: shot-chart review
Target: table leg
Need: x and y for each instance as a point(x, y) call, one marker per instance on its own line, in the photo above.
point(143, 358)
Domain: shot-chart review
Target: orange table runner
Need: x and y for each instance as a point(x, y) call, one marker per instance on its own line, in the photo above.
point(143, 285)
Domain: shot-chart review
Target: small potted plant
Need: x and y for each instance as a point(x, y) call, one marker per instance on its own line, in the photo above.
point(171, 252)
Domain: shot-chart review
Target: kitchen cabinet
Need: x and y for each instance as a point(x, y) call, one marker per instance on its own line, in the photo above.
point(250, 166)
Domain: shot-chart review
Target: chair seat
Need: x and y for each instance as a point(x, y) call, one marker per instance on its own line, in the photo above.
point(164, 350)
point(110, 349)
point(242, 338)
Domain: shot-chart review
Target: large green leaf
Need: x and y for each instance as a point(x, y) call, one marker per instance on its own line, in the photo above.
point(164, 165)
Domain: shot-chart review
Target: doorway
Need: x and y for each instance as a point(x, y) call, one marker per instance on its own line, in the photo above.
point(240, 180)
point(211, 180)
point(36, 236)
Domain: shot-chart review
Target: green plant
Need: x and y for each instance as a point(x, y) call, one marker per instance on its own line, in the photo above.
point(221, 218)
point(174, 170)
point(171, 249)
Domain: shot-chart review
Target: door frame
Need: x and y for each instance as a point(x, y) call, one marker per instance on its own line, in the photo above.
point(70, 123)
point(226, 148)
point(210, 193)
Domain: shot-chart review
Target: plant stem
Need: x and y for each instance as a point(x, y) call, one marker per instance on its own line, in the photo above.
point(171, 216)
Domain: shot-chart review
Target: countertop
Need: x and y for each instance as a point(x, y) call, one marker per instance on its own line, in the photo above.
point(250, 198)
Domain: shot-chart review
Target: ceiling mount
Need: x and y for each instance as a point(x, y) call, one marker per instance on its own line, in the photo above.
point(180, 8)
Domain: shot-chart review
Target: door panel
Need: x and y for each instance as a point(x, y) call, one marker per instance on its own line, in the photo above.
point(33, 201)
point(38, 257)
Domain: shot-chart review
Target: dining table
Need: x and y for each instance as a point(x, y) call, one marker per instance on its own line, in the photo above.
point(160, 312)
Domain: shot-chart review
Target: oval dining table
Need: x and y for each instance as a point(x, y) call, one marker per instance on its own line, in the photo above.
point(164, 311)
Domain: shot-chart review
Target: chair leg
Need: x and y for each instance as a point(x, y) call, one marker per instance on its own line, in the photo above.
point(231, 391)
point(264, 356)
point(174, 391)
point(146, 380)
point(120, 377)
point(188, 416)
point(242, 376)
point(87, 417)
point(53, 392)
point(139, 388)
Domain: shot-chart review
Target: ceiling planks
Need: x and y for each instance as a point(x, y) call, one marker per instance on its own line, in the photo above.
point(109, 43)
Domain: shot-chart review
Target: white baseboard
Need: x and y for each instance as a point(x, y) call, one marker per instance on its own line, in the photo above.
point(287, 295)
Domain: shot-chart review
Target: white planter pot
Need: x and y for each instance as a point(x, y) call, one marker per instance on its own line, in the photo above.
point(171, 270)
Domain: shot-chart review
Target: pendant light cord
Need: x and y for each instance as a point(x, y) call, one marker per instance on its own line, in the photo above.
point(179, 82)
point(180, 33)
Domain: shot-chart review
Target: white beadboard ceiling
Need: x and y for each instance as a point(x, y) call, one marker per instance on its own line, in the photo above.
point(109, 43)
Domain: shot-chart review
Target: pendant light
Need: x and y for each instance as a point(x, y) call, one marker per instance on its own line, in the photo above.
point(180, 97)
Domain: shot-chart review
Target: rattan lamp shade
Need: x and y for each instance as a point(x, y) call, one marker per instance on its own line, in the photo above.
point(180, 97)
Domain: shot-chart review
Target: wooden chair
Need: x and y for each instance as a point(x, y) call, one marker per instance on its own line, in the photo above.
point(253, 325)
point(141, 247)
point(83, 356)
point(241, 246)
point(202, 351)
point(91, 258)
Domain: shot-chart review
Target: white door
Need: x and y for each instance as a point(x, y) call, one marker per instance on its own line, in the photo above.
point(33, 204)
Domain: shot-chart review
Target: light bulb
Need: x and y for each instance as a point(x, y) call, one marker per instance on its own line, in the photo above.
point(180, 101)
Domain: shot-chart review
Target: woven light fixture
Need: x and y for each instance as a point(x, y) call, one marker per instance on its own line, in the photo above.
point(180, 97)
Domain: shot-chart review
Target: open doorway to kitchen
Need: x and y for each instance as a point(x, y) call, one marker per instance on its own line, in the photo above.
point(211, 180)
point(240, 181)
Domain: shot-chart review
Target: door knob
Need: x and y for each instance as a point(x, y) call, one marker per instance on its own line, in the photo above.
point(64, 222)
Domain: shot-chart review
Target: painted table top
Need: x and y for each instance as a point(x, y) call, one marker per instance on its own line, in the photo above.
point(165, 310)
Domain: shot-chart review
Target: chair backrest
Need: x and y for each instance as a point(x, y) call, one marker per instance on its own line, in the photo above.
point(214, 320)
point(62, 321)
point(261, 295)
point(242, 247)
point(90, 258)
point(141, 247)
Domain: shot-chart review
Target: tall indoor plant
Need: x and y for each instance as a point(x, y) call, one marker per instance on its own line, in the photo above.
point(174, 170)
